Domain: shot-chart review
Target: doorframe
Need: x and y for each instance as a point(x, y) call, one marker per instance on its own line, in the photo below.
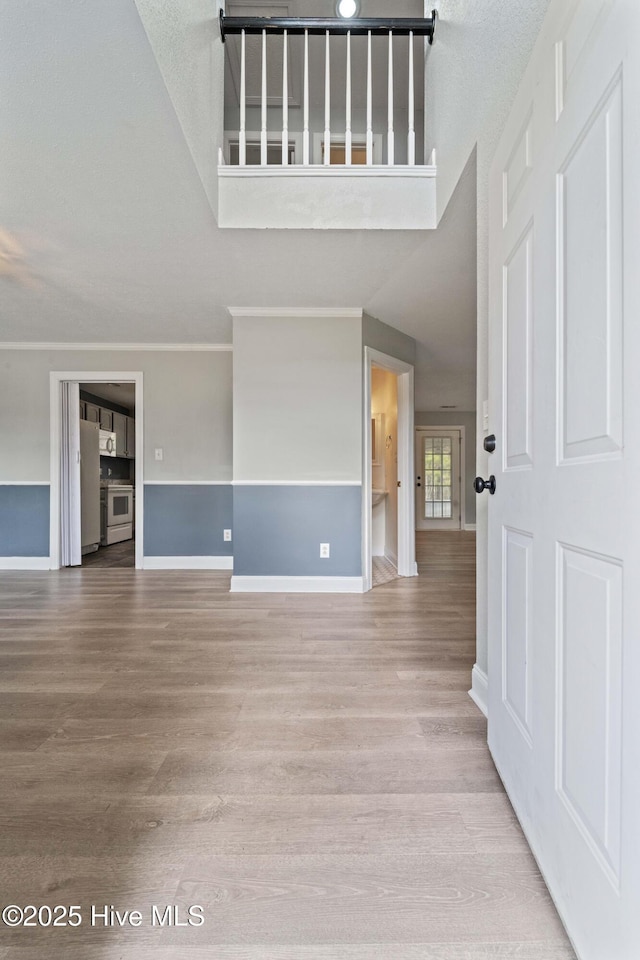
point(443, 428)
point(407, 566)
point(55, 442)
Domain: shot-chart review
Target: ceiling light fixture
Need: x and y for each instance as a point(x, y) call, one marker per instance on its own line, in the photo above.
point(347, 9)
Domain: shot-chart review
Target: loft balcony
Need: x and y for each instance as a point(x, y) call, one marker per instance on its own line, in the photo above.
point(324, 124)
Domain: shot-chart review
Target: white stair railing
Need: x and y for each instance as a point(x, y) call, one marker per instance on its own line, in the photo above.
point(369, 102)
point(374, 133)
point(390, 132)
point(285, 102)
point(263, 130)
point(305, 130)
point(411, 139)
point(327, 101)
point(243, 101)
point(348, 156)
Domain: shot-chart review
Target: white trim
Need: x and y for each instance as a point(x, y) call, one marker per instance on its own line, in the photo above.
point(136, 347)
point(56, 378)
point(24, 563)
point(24, 483)
point(297, 483)
point(337, 170)
point(479, 692)
point(297, 585)
point(407, 566)
point(287, 312)
point(187, 483)
point(469, 526)
point(188, 563)
point(443, 429)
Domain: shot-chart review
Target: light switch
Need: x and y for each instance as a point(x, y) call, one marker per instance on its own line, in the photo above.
point(159, 453)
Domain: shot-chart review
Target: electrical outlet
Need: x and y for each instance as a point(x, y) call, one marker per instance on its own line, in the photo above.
point(227, 535)
point(325, 551)
point(159, 453)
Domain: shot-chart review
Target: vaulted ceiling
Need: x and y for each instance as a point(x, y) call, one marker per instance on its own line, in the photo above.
point(106, 233)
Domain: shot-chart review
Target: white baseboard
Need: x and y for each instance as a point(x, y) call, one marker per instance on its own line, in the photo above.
point(469, 526)
point(479, 692)
point(25, 563)
point(297, 585)
point(188, 563)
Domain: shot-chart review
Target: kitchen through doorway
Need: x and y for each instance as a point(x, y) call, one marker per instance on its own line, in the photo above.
point(107, 474)
point(96, 470)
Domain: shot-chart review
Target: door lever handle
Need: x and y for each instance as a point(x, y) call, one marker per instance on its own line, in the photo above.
point(479, 485)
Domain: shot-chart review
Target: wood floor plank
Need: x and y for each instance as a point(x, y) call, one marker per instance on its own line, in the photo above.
point(532, 950)
point(383, 899)
point(310, 768)
point(207, 738)
point(24, 735)
point(300, 773)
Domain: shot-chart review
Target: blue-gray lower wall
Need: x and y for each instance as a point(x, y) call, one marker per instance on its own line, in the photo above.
point(277, 531)
point(187, 520)
point(24, 520)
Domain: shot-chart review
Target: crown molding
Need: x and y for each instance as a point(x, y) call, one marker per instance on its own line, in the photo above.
point(134, 347)
point(302, 312)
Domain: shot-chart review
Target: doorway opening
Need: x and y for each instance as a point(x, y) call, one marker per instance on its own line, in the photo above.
point(439, 472)
point(384, 475)
point(96, 470)
point(388, 542)
point(107, 474)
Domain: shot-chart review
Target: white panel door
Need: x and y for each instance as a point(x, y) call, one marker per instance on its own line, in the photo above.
point(564, 523)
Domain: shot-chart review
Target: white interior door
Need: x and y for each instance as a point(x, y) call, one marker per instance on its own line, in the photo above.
point(564, 524)
point(438, 479)
point(70, 500)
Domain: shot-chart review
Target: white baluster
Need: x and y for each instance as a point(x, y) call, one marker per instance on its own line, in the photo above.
point(243, 102)
point(369, 104)
point(347, 138)
point(327, 103)
point(263, 132)
point(390, 134)
point(305, 133)
point(411, 145)
point(285, 102)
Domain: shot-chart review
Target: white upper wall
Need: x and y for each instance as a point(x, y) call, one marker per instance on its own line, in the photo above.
point(186, 409)
point(183, 35)
point(297, 398)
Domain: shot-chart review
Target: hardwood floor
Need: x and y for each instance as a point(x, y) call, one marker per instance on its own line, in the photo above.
point(121, 554)
point(309, 769)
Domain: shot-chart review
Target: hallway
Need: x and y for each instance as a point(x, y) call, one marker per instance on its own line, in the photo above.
point(309, 769)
